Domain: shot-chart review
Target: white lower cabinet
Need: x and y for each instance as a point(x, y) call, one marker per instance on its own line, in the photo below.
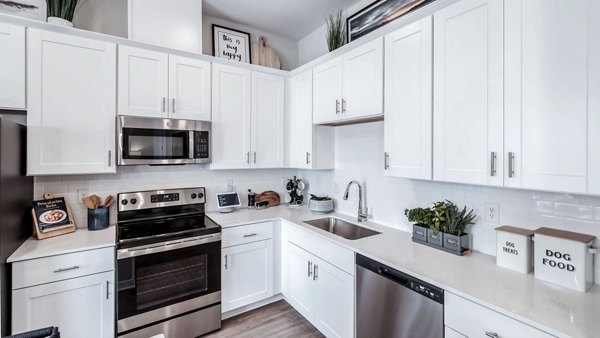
point(463, 317)
point(247, 258)
point(321, 292)
point(247, 274)
point(74, 291)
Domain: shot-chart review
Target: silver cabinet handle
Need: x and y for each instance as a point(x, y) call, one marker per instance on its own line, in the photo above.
point(316, 272)
point(250, 235)
point(343, 106)
point(511, 164)
point(107, 289)
point(309, 268)
point(74, 267)
point(110, 158)
point(254, 157)
point(386, 160)
point(173, 101)
point(491, 334)
point(248, 157)
point(164, 105)
point(337, 107)
point(307, 157)
point(225, 262)
point(493, 163)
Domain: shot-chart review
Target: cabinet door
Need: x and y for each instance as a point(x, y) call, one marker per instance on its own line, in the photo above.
point(231, 114)
point(267, 120)
point(189, 88)
point(300, 283)
point(468, 93)
point(247, 274)
point(71, 89)
point(301, 127)
point(547, 92)
point(334, 300)
point(327, 91)
point(12, 67)
point(143, 82)
point(175, 24)
point(60, 304)
point(363, 81)
point(408, 107)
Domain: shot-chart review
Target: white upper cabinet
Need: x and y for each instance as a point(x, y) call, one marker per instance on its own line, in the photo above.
point(174, 24)
point(549, 99)
point(267, 120)
point(231, 113)
point(154, 84)
point(363, 81)
point(350, 86)
point(408, 105)
point(468, 93)
point(327, 91)
point(189, 88)
point(12, 66)
point(143, 82)
point(71, 90)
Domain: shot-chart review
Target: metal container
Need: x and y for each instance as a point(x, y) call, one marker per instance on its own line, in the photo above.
point(434, 239)
point(456, 244)
point(98, 219)
point(514, 248)
point(419, 233)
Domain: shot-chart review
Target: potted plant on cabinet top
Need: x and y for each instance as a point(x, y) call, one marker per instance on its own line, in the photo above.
point(60, 12)
point(442, 226)
point(320, 204)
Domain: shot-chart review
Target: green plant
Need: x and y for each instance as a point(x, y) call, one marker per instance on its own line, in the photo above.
point(438, 221)
point(336, 31)
point(319, 198)
point(421, 216)
point(457, 220)
point(62, 8)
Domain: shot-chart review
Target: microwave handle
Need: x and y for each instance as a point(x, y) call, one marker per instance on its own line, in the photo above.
point(192, 144)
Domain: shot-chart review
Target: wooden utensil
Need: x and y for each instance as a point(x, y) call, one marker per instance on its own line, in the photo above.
point(108, 201)
point(88, 202)
point(96, 200)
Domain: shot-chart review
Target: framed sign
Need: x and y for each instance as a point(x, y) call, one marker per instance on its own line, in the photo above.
point(231, 44)
point(379, 14)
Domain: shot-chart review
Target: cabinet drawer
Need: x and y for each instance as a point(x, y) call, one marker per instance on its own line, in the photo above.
point(247, 233)
point(55, 268)
point(473, 320)
point(328, 251)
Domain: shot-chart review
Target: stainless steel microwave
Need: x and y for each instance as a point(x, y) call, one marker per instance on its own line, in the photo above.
point(158, 141)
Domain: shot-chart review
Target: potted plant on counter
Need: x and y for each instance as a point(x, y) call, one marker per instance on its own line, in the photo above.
point(320, 204)
point(421, 218)
point(442, 226)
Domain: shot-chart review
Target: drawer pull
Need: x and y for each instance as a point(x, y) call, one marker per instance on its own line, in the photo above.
point(492, 334)
point(250, 235)
point(74, 267)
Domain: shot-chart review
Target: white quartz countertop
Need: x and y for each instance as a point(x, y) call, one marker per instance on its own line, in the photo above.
point(554, 309)
point(80, 240)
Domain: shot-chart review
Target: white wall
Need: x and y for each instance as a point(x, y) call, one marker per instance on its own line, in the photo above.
point(359, 156)
point(139, 178)
point(287, 49)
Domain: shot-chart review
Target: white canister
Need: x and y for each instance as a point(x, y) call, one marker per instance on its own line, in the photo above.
point(514, 248)
point(564, 258)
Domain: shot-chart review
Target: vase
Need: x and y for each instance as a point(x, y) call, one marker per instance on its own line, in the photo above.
point(59, 21)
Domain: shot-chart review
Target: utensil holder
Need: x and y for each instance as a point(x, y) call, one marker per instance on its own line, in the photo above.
point(98, 219)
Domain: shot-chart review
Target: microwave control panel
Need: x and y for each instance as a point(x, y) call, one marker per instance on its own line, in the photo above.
point(201, 144)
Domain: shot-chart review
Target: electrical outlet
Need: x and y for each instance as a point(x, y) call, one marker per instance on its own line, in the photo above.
point(81, 193)
point(492, 213)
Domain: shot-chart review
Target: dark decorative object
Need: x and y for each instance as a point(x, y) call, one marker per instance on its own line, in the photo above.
point(31, 9)
point(379, 14)
point(63, 9)
point(231, 44)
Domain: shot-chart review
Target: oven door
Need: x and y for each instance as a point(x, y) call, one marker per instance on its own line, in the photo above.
point(155, 141)
point(162, 280)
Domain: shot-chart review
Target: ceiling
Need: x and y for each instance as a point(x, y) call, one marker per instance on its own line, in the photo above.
point(292, 19)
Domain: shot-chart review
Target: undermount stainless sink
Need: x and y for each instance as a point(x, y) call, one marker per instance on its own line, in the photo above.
point(342, 228)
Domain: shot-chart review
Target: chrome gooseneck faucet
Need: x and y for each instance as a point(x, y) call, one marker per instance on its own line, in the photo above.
point(361, 216)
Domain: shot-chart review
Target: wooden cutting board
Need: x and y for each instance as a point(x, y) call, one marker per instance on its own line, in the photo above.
point(263, 55)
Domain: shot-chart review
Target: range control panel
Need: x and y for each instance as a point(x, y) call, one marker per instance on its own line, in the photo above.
point(159, 198)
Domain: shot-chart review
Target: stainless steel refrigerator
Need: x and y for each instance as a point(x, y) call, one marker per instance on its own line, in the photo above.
point(16, 196)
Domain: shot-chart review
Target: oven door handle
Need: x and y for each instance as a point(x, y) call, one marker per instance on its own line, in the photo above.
point(167, 246)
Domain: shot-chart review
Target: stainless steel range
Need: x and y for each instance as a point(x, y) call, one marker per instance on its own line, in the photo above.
point(168, 265)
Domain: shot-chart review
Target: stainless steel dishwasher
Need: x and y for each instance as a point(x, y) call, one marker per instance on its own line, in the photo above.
point(390, 303)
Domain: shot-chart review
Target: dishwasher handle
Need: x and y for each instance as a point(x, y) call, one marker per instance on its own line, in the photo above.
point(391, 275)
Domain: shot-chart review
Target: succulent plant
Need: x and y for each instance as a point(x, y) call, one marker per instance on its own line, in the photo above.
point(457, 220)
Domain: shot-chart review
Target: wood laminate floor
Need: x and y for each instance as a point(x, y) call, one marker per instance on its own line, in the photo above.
point(278, 319)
